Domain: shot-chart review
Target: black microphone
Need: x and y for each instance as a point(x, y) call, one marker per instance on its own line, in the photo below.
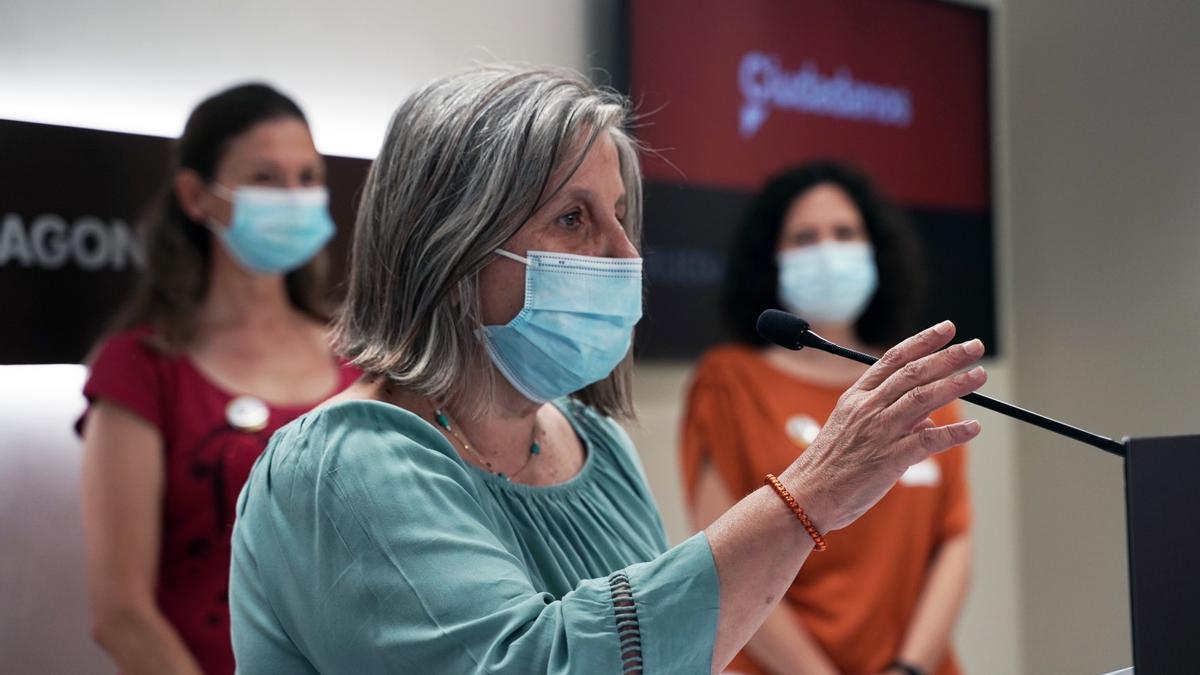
point(792, 332)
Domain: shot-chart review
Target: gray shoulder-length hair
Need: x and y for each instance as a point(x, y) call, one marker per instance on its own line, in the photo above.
point(467, 160)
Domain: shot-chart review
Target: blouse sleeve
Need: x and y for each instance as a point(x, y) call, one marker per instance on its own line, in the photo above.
point(709, 435)
point(126, 372)
point(388, 563)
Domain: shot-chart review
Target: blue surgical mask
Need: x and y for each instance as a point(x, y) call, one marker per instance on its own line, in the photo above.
point(831, 282)
point(576, 325)
point(275, 230)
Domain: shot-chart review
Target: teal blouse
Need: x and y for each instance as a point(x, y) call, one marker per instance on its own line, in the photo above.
point(365, 544)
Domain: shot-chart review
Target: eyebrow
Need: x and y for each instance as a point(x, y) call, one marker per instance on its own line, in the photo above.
point(262, 162)
point(567, 195)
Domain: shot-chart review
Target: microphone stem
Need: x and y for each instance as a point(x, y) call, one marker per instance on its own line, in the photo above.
point(1049, 424)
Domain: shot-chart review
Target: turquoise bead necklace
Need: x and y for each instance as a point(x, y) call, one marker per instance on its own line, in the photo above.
point(443, 421)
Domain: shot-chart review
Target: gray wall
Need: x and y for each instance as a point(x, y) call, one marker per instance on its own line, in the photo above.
point(1104, 212)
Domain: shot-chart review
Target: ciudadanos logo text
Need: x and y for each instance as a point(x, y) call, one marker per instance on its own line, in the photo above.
point(768, 86)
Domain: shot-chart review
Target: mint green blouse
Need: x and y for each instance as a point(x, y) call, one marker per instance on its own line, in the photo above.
point(365, 544)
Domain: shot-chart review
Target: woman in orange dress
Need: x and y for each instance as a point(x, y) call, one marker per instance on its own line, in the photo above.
point(821, 243)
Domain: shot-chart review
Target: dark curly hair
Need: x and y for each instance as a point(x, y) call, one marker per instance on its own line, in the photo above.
point(751, 278)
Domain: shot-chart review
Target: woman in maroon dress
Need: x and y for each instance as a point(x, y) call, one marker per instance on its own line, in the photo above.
point(224, 342)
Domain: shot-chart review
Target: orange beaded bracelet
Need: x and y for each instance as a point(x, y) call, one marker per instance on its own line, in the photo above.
point(795, 507)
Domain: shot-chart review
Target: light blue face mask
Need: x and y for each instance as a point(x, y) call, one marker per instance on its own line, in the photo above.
point(828, 283)
point(275, 230)
point(575, 327)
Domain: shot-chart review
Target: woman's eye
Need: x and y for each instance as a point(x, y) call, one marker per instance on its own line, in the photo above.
point(570, 220)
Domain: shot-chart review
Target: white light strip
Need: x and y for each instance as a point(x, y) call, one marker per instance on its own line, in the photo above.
point(337, 130)
point(26, 390)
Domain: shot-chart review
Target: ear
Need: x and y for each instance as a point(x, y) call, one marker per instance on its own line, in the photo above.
point(190, 190)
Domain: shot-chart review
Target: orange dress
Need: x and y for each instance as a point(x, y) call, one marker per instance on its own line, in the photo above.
point(748, 418)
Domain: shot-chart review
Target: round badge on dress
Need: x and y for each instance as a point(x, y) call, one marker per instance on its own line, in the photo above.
point(246, 413)
point(802, 429)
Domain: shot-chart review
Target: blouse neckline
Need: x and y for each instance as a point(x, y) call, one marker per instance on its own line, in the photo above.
point(580, 480)
point(211, 383)
point(758, 360)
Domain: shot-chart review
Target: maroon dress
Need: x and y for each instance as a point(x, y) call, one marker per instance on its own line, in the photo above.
point(209, 448)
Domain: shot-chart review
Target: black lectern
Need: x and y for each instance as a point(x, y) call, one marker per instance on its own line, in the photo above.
point(1162, 509)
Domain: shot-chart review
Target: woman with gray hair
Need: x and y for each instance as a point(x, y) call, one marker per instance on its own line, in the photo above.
point(470, 505)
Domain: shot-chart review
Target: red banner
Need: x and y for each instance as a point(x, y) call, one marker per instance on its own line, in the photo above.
point(738, 90)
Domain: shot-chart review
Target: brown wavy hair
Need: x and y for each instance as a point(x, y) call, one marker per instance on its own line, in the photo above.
point(179, 250)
